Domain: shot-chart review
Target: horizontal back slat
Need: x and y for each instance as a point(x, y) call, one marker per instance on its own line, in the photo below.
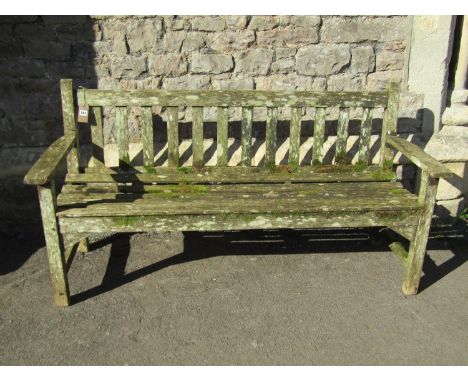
point(233, 98)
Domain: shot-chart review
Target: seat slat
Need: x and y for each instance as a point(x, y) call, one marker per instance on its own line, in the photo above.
point(319, 198)
point(147, 137)
point(121, 121)
point(342, 136)
point(222, 136)
point(295, 136)
point(97, 137)
point(246, 136)
point(270, 136)
point(197, 136)
point(319, 133)
point(173, 136)
point(279, 174)
point(364, 137)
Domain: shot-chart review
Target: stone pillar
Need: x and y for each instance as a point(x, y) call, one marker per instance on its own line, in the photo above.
point(429, 58)
point(450, 144)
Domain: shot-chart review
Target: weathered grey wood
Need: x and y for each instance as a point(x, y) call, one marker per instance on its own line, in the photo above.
point(364, 137)
point(224, 222)
point(295, 136)
point(342, 137)
point(389, 125)
point(184, 200)
point(173, 136)
point(97, 138)
point(420, 158)
point(270, 136)
point(164, 175)
point(121, 122)
point(54, 251)
point(232, 98)
point(417, 249)
point(197, 136)
point(222, 136)
point(319, 132)
point(69, 123)
point(157, 189)
point(147, 137)
point(80, 195)
point(246, 136)
point(399, 251)
point(46, 166)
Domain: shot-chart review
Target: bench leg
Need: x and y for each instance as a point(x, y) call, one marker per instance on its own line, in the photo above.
point(54, 249)
point(417, 249)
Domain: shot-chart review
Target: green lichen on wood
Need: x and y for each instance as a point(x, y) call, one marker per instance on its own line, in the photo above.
point(283, 168)
point(341, 158)
point(383, 175)
point(149, 170)
point(178, 190)
point(398, 191)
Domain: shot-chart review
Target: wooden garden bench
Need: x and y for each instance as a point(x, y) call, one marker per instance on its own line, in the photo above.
point(128, 198)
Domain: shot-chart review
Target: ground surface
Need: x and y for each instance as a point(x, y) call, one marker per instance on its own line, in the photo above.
point(259, 297)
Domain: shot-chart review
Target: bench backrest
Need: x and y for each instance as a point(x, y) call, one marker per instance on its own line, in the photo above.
point(123, 100)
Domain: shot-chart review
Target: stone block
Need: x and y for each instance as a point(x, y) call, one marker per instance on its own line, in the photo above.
point(6, 33)
point(362, 59)
point(208, 23)
point(186, 82)
point(236, 22)
point(128, 67)
point(170, 64)
point(390, 60)
point(455, 186)
point(211, 63)
point(283, 65)
point(456, 115)
point(177, 23)
point(322, 59)
point(68, 19)
point(361, 29)
point(233, 84)
point(172, 42)
point(262, 23)
point(193, 41)
point(345, 82)
point(299, 21)
point(285, 53)
point(448, 148)
point(449, 210)
point(143, 34)
point(48, 49)
point(256, 61)
point(459, 96)
point(290, 37)
point(230, 40)
point(379, 80)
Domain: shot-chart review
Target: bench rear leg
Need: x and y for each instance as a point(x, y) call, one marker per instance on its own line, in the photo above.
point(417, 249)
point(54, 249)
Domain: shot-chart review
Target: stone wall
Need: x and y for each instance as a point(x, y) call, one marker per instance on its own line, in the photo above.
point(175, 52)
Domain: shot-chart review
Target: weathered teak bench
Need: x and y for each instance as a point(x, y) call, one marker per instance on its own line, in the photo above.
point(130, 198)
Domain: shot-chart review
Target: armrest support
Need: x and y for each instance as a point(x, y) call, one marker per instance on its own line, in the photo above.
point(419, 157)
point(44, 169)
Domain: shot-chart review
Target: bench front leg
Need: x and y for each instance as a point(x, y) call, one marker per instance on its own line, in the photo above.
point(55, 254)
point(417, 249)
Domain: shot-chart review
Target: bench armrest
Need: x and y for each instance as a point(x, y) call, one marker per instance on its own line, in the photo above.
point(44, 169)
point(419, 157)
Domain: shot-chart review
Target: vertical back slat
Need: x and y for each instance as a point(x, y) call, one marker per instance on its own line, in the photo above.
point(365, 135)
point(222, 136)
point(121, 121)
point(173, 135)
point(147, 136)
point(295, 135)
point(97, 137)
point(270, 136)
point(389, 126)
point(69, 124)
point(319, 133)
point(197, 136)
point(246, 136)
point(342, 136)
